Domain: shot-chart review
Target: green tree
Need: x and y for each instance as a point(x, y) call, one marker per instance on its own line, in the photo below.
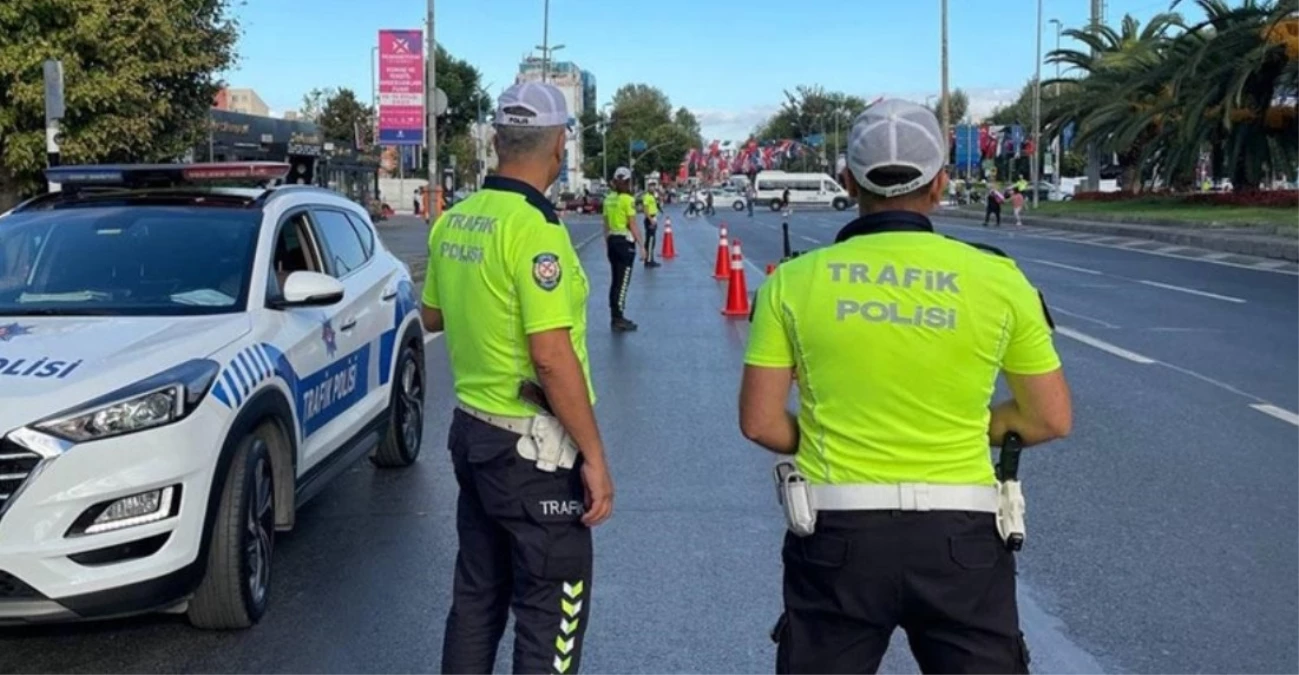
point(592, 121)
point(957, 108)
point(313, 103)
point(139, 77)
point(346, 121)
point(466, 101)
point(810, 111)
point(644, 113)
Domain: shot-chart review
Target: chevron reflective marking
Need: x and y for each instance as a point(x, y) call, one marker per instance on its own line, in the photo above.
point(561, 665)
point(568, 627)
point(572, 609)
point(564, 646)
point(573, 591)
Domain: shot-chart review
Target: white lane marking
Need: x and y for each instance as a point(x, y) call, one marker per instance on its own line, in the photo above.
point(1170, 249)
point(1272, 264)
point(1063, 266)
point(806, 238)
point(753, 266)
point(1104, 346)
point(1279, 413)
point(1099, 322)
point(1091, 240)
point(1192, 291)
point(432, 336)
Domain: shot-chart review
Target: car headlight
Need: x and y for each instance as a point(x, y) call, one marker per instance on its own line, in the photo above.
point(165, 398)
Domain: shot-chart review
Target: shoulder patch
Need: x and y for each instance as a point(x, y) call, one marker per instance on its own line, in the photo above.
point(546, 271)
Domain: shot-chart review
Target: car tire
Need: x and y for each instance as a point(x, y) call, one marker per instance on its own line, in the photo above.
point(840, 203)
point(236, 588)
point(775, 205)
point(738, 205)
point(404, 435)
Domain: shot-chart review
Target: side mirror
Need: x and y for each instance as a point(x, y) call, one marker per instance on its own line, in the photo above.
point(309, 289)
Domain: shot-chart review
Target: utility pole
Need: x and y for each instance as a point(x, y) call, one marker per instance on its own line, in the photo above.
point(430, 86)
point(54, 112)
point(945, 102)
point(1037, 109)
point(1093, 153)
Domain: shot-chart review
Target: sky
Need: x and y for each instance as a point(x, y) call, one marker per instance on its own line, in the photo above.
point(728, 61)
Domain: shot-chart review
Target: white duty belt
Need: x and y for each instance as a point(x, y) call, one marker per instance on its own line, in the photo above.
point(519, 425)
point(904, 497)
point(623, 235)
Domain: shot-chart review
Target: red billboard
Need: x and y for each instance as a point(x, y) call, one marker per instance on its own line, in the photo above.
point(401, 87)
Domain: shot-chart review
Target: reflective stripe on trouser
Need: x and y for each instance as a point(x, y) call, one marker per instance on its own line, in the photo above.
point(942, 576)
point(522, 547)
point(651, 238)
point(622, 258)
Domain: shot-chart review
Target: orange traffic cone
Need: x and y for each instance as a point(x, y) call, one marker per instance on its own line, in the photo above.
point(737, 291)
point(722, 268)
point(669, 245)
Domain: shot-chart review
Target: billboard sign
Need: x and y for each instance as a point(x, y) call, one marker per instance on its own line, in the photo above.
point(967, 146)
point(401, 87)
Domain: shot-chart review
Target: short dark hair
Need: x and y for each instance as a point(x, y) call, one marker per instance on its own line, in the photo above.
point(888, 176)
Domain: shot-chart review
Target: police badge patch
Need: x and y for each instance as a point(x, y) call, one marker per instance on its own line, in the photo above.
point(546, 271)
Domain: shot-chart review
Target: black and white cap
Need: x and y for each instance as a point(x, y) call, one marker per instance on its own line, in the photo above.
point(532, 104)
point(896, 134)
point(622, 173)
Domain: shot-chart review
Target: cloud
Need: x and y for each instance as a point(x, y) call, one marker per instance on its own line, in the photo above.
point(736, 125)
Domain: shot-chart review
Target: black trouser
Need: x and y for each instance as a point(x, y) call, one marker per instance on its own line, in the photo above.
point(522, 546)
point(651, 237)
point(944, 577)
point(994, 209)
point(622, 258)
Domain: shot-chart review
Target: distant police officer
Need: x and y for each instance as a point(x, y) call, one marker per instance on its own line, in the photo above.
point(505, 285)
point(896, 335)
point(651, 205)
point(622, 238)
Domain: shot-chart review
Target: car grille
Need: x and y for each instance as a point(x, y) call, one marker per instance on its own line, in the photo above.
point(16, 463)
point(13, 588)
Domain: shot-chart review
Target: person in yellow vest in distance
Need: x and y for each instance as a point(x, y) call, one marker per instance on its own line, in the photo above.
point(651, 205)
point(622, 240)
point(505, 285)
point(896, 335)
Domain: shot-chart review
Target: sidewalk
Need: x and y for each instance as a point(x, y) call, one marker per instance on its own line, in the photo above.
point(1228, 240)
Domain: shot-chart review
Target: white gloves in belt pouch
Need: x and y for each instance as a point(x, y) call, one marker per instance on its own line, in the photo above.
point(1010, 512)
point(548, 444)
point(794, 495)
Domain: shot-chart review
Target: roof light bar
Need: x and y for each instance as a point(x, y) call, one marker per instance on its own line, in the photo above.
point(157, 175)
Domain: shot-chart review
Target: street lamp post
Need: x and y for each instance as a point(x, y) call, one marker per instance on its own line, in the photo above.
point(946, 98)
point(1057, 143)
point(1037, 108)
point(434, 181)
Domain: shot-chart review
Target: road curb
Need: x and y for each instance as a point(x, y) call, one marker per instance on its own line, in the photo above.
point(1231, 241)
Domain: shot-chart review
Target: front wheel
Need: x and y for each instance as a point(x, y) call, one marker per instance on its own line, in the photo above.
point(405, 431)
point(776, 204)
point(738, 205)
point(235, 591)
point(840, 203)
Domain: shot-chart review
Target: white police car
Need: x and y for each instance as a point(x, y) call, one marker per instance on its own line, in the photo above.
point(181, 366)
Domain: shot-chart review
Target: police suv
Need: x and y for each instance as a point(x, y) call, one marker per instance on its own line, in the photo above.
point(182, 364)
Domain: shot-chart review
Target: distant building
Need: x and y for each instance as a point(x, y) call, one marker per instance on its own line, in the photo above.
point(578, 87)
point(292, 115)
point(244, 101)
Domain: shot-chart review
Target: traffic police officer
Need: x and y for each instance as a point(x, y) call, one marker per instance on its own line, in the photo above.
point(622, 238)
point(651, 227)
point(505, 285)
point(896, 335)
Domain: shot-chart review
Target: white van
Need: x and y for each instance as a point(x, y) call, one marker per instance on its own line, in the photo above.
point(804, 189)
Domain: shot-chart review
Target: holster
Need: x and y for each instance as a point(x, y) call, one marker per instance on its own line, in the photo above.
point(1010, 514)
point(796, 499)
point(547, 444)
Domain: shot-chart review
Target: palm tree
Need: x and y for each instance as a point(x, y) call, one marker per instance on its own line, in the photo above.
point(1113, 102)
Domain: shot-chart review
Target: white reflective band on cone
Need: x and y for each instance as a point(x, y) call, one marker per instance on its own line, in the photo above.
point(905, 497)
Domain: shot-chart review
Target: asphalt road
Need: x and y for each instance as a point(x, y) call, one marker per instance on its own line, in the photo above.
point(1163, 533)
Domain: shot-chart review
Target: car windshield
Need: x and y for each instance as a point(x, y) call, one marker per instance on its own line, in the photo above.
point(155, 261)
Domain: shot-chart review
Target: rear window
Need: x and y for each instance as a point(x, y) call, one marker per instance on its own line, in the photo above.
point(130, 261)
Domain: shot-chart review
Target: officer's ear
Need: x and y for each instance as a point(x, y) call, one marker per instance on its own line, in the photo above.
point(561, 140)
point(849, 183)
point(938, 187)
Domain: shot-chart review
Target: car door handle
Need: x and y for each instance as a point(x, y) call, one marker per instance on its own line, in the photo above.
point(348, 326)
point(389, 295)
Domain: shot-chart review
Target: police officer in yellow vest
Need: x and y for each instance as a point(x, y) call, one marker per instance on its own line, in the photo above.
point(651, 205)
point(505, 285)
point(623, 240)
point(895, 336)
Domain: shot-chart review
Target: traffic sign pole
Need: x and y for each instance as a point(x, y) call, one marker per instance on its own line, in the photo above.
point(430, 86)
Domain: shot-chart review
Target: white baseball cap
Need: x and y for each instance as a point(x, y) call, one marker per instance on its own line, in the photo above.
point(896, 134)
point(622, 173)
point(532, 104)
